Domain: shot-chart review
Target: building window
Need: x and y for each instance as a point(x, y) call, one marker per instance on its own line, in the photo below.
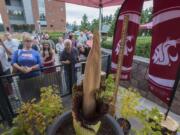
point(42, 17)
point(8, 2)
point(16, 15)
point(42, 11)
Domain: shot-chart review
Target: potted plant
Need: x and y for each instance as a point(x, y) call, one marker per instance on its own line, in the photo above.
point(129, 101)
point(34, 117)
point(152, 121)
point(90, 102)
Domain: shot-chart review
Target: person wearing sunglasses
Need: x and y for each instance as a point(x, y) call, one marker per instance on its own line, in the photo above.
point(27, 60)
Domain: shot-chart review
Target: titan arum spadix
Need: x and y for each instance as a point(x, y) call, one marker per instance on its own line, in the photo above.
point(92, 77)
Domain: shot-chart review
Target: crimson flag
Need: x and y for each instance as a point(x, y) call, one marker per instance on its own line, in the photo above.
point(165, 49)
point(133, 10)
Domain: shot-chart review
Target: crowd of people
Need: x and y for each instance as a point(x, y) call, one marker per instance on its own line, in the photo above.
point(33, 53)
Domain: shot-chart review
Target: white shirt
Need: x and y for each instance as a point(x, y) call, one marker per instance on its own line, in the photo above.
point(3, 58)
point(12, 45)
point(59, 47)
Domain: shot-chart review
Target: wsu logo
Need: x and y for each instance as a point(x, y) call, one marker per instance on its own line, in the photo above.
point(161, 55)
point(126, 49)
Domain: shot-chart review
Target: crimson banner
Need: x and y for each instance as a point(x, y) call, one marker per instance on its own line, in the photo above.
point(165, 49)
point(133, 10)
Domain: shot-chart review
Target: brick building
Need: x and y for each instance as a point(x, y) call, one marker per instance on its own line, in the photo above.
point(27, 15)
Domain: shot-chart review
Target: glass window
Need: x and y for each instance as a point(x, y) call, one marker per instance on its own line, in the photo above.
point(42, 12)
point(16, 15)
point(8, 2)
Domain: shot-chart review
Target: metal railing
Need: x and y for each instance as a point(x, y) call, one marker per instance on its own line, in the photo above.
point(26, 89)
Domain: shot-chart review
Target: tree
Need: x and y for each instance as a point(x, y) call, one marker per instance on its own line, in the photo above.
point(114, 18)
point(75, 27)
point(146, 16)
point(94, 24)
point(85, 25)
point(107, 19)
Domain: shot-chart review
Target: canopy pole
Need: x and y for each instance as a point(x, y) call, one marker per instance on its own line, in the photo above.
point(100, 21)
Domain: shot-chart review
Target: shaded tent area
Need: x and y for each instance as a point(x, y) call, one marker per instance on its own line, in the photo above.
point(94, 3)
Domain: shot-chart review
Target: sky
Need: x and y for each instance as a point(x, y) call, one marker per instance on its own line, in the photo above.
point(75, 12)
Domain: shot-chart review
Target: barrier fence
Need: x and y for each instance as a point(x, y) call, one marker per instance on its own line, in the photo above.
point(26, 89)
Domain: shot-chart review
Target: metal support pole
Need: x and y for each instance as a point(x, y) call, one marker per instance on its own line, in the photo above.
point(174, 91)
point(100, 22)
point(100, 19)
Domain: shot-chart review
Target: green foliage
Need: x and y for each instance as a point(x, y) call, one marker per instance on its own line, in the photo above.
point(55, 35)
point(146, 15)
point(34, 118)
point(85, 25)
point(143, 45)
point(94, 24)
point(75, 26)
point(112, 27)
point(129, 101)
point(107, 19)
point(108, 93)
point(150, 119)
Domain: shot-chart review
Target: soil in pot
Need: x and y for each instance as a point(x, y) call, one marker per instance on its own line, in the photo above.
point(68, 129)
point(125, 125)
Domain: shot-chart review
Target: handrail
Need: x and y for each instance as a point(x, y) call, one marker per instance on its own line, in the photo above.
point(43, 68)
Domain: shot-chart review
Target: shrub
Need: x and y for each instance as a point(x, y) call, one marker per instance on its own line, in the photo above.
point(55, 35)
point(129, 101)
point(34, 118)
point(142, 46)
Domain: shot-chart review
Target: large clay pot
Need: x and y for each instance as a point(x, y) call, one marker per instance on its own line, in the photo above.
point(67, 118)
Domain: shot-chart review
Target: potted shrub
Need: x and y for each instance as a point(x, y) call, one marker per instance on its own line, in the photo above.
point(129, 101)
point(152, 121)
point(90, 102)
point(34, 118)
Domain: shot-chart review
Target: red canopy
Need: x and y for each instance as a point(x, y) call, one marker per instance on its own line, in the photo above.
point(95, 3)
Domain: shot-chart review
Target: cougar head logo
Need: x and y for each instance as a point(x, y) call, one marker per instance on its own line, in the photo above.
point(126, 49)
point(161, 55)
